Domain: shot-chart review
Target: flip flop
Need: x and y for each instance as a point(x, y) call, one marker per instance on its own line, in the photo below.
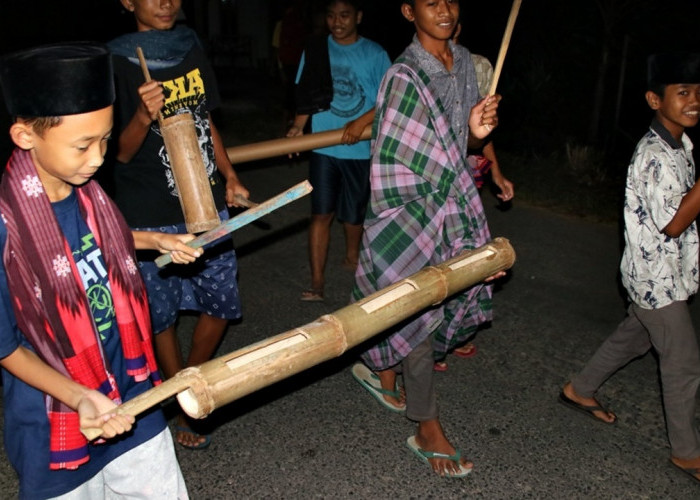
point(693, 472)
point(200, 446)
point(312, 295)
point(586, 410)
point(440, 366)
point(468, 350)
point(370, 381)
point(425, 455)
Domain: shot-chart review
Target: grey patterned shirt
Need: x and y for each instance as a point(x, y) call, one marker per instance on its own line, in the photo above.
point(657, 269)
point(457, 89)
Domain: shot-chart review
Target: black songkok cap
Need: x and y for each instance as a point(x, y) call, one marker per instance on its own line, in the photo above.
point(57, 80)
point(673, 67)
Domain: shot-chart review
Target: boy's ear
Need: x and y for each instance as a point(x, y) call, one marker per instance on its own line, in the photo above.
point(22, 135)
point(128, 5)
point(407, 12)
point(359, 17)
point(653, 100)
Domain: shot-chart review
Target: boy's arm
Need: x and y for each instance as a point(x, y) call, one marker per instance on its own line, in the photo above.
point(506, 187)
point(353, 129)
point(164, 243)
point(298, 125)
point(151, 102)
point(233, 185)
point(92, 406)
point(297, 128)
point(687, 212)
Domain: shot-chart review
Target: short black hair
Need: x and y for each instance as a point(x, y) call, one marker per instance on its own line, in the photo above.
point(657, 88)
point(356, 4)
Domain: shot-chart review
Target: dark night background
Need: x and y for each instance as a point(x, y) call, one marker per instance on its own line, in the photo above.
point(573, 79)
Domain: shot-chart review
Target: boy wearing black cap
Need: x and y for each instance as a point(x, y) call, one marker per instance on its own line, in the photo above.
point(75, 337)
point(660, 262)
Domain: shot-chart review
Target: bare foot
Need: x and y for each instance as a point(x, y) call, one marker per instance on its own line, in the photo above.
point(690, 466)
point(388, 381)
point(605, 416)
point(431, 437)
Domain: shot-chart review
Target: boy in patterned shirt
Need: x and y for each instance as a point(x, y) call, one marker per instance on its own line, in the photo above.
point(660, 261)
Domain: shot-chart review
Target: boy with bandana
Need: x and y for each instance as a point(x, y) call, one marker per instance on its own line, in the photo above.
point(144, 187)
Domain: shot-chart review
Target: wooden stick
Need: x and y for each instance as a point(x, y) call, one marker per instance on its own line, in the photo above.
point(237, 374)
point(240, 220)
point(504, 45)
point(289, 145)
point(146, 73)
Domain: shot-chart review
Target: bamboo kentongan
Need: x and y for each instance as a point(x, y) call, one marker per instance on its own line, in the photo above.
point(289, 145)
point(211, 385)
point(187, 166)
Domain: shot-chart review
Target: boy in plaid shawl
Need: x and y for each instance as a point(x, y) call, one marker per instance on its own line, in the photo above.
point(75, 334)
point(424, 209)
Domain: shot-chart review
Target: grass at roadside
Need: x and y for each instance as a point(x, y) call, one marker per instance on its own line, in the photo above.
point(552, 182)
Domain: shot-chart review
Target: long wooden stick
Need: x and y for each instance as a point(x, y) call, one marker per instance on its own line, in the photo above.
point(505, 42)
point(289, 145)
point(240, 220)
point(202, 389)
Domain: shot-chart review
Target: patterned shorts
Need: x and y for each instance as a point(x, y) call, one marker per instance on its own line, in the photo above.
point(208, 285)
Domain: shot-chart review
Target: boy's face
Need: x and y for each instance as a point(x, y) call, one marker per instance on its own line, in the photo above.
point(68, 154)
point(433, 19)
point(342, 20)
point(679, 107)
point(153, 14)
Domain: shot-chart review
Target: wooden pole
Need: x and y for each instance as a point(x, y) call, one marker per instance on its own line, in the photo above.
point(240, 220)
point(505, 42)
point(289, 145)
point(189, 172)
point(202, 389)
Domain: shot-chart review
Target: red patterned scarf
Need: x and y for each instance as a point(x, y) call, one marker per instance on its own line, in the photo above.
point(49, 298)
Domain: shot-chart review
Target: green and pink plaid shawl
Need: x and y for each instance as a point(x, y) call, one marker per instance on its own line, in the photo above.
point(424, 209)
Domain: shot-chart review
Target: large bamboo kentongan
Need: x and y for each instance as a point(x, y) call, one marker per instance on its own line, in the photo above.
point(202, 389)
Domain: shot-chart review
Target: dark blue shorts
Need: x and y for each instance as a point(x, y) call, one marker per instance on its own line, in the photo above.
point(208, 285)
point(340, 187)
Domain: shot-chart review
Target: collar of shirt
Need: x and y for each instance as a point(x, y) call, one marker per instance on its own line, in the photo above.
point(663, 132)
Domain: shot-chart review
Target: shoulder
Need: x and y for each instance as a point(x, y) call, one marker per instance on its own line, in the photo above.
point(371, 46)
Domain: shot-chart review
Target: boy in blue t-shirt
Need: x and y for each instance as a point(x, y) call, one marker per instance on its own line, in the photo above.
point(75, 336)
point(340, 174)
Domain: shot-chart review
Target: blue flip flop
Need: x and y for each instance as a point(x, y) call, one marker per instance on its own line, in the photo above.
point(425, 455)
point(200, 446)
point(370, 381)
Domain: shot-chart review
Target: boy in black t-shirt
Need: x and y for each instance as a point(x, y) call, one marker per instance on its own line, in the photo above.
point(145, 189)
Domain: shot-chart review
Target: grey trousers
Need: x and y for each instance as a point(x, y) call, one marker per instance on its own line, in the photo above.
point(670, 331)
point(419, 382)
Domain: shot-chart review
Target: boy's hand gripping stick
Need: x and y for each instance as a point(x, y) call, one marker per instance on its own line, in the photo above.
point(240, 220)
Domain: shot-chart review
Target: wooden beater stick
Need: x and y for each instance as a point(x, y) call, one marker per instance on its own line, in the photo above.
point(240, 220)
point(504, 45)
point(146, 73)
